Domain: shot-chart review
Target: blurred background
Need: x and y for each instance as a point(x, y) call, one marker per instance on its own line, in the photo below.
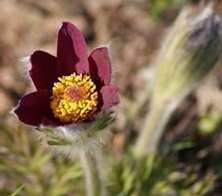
point(134, 29)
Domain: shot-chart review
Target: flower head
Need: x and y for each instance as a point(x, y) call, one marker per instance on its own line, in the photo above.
point(70, 88)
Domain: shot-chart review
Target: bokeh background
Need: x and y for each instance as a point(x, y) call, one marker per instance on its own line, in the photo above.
point(134, 30)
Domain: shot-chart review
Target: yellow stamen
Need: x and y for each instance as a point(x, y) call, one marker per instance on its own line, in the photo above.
point(74, 98)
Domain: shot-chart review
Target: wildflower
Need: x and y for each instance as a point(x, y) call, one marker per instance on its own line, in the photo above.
point(70, 88)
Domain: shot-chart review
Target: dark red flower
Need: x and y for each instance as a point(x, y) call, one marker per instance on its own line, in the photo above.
point(72, 87)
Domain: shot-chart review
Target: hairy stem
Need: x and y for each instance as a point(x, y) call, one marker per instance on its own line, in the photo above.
point(152, 130)
point(91, 172)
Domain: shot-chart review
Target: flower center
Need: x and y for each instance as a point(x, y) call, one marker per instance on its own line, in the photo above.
point(74, 98)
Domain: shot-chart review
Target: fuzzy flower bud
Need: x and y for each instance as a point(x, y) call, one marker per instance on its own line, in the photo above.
point(190, 51)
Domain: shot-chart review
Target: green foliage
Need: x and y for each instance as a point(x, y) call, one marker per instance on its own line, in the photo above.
point(157, 7)
point(155, 176)
point(17, 191)
point(24, 161)
point(209, 123)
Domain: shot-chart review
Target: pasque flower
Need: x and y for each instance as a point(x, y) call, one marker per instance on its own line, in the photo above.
point(70, 88)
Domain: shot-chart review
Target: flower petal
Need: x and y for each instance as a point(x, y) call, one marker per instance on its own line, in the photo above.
point(100, 66)
point(72, 51)
point(50, 120)
point(43, 71)
point(110, 96)
point(34, 107)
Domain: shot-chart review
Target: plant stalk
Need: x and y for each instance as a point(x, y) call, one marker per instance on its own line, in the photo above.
point(92, 176)
point(155, 122)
